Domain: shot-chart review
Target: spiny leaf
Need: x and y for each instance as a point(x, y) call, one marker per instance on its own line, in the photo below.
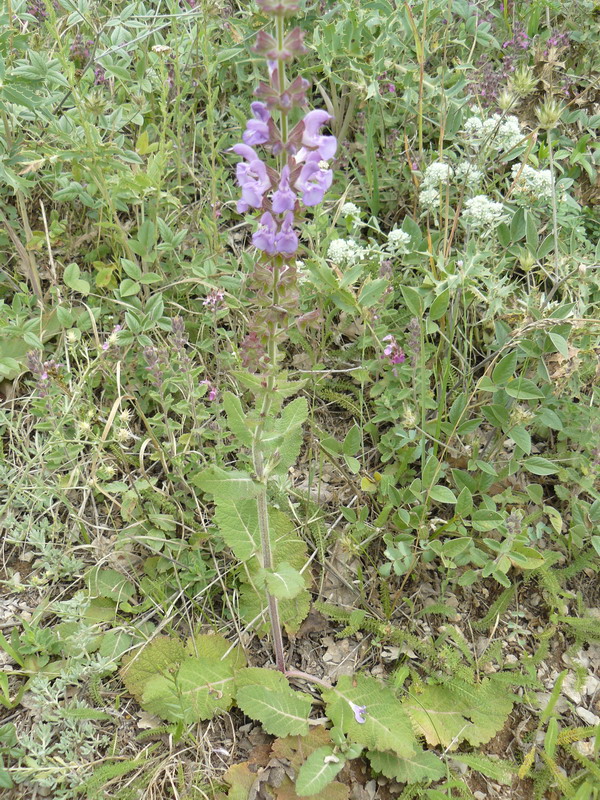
point(161, 655)
point(385, 726)
point(422, 766)
point(319, 769)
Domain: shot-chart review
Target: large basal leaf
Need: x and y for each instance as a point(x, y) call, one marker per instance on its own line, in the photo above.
point(238, 524)
point(227, 485)
point(254, 611)
point(450, 714)
point(285, 582)
point(422, 766)
point(206, 686)
point(162, 655)
point(210, 645)
point(267, 696)
point(319, 769)
point(284, 434)
point(161, 697)
point(386, 725)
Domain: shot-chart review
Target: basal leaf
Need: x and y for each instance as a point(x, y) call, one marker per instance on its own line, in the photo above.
point(206, 686)
point(319, 769)
point(161, 697)
point(385, 726)
point(160, 656)
point(282, 711)
point(450, 714)
point(422, 766)
point(285, 582)
point(229, 486)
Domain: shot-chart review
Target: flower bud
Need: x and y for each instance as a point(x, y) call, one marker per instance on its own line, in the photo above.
point(549, 113)
point(523, 81)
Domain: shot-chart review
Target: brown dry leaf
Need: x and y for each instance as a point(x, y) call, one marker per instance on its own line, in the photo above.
point(148, 721)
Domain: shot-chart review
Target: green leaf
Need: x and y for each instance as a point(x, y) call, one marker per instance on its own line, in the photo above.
point(206, 686)
point(372, 291)
point(160, 656)
point(385, 726)
point(442, 494)
point(285, 582)
point(561, 344)
point(413, 300)
point(539, 466)
point(236, 419)
point(550, 419)
point(128, 288)
point(352, 441)
point(505, 368)
point(523, 389)
point(521, 438)
point(485, 520)
point(447, 715)
point(281, 711)
point(73, 281)
point(227, 486)
point(238, 524)
point(525, 557)
point(464, 504)
point(422, 766)
point(440, 305)
point(498, 770)
point(430, 471)
point(109, 583)
point(285, 433)
point(319, 769)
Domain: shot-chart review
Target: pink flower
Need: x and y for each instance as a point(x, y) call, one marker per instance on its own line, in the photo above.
point(360, 712)
point(393, 351)
point(286, 241)
point(252, 177)
point(313, 140)
point(264, 237)
point(314, 180)
point(257, 129)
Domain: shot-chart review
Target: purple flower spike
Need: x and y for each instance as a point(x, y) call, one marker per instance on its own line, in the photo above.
point(286, 240)
point(284, 198)
point(360, 712)
point(264, 237)
point(313, 140)
point(314, 180)
point(257, 129)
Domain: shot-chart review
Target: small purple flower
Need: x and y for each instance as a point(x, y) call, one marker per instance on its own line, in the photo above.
point(313, 140)
point(252, 177)
point(257, 129)
point(214, 299)
point(314, 180)
point(264, 237)
point(393, 351)
point(211, 390)
point(360, 712)
point(284, 198)
point(286, 241)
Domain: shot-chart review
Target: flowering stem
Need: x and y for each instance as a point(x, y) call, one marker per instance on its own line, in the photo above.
point(554, 207)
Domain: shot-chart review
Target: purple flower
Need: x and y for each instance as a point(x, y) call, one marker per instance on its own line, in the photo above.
point(314, 180)
point(252, 177)
point(264, 237)
point(257, 129)
point(211, 390)
point(360, 712)
point(393, 351)
point(284, 198)
point(286, 241)
point(313, 140)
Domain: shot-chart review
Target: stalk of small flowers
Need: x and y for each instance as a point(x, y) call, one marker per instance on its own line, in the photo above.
point(43, 371)
point(281, 194)
point(80, 51)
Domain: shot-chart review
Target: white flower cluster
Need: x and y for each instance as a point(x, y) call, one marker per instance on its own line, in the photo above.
point(466, 173)
point(435, 175)
point(398, 241)
point(483, 214)
point(501, 134)
point(345, 252)
point(530, 181)
point(350, 210)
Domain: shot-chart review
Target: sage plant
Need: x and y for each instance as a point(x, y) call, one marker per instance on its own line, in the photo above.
point(285, 170)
